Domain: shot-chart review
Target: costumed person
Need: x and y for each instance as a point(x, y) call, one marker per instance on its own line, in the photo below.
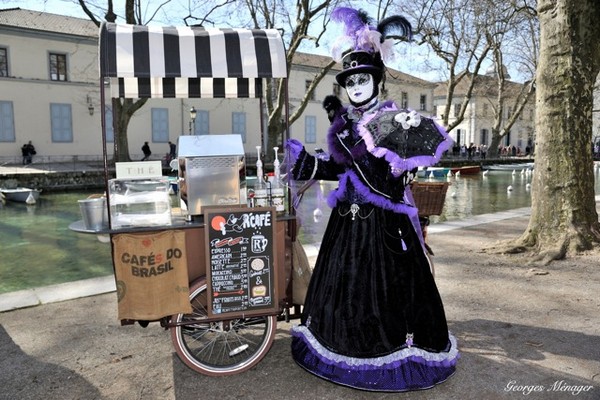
point(373, 318)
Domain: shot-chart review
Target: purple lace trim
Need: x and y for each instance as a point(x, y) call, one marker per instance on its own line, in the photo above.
point(407, 369)
point(394, 159)
point(365, 192)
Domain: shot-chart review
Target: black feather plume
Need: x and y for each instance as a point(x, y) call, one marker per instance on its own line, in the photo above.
point(395, 27)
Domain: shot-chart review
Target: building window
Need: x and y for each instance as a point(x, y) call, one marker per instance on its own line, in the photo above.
point(58, 67)
point(238, 124)
point(423, 102)
point(337, 89)
point(310, 129)
point(7, 122)
point(404, 103)
point(483, 137)
point(201, 123)
point(160, 125)
point(485, 109)
point(110, 132)
point(307, 86)
point(61, 123)
point(3, 61)
point(460, 139)
point(456, 109)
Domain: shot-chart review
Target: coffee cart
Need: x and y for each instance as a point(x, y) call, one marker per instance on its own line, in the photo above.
point(236, 260)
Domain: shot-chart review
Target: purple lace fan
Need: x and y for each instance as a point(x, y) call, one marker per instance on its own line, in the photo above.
point(416, 141)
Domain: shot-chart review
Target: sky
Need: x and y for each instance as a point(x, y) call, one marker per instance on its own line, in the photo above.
point(175, 11)
point(51, 6)
point(72, 8)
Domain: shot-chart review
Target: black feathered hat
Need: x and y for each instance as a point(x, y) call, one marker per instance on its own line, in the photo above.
point(357, 62)
point(364, 47)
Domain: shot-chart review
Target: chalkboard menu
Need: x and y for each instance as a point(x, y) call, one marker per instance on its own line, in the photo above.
point(240, 254)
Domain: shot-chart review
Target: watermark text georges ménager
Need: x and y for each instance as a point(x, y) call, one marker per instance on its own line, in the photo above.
point(557, 386)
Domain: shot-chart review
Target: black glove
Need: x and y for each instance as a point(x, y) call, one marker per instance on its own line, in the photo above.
point(332, 105)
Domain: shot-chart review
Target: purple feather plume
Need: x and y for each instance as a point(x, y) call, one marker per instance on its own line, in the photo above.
point(353, 20)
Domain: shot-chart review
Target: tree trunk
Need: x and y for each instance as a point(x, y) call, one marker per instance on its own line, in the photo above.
point(564, 219)
point(494, 144)
point(121, 143)
point(123, 109)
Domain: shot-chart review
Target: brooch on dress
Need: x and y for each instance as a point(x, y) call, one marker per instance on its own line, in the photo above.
point(409, 339)
point(344, 134)
point(355, 211)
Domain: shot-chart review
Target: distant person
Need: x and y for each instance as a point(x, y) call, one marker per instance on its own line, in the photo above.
point(25, 153)
point(28, 151)
point(146, 151)
point(483, 151)
point(172, 150)
point(470, 151)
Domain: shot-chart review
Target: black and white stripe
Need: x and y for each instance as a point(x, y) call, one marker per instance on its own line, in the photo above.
point(229, 88)
point(162, 54)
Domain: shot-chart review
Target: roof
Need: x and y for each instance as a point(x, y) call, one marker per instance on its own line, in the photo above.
point(485, 86)
point(47, 22)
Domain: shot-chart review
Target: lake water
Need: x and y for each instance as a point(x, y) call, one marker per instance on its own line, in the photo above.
point(467, 195)
point(37, 248)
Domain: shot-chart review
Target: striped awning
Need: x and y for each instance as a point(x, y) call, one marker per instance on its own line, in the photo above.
point(230, 88)
point(148, 61)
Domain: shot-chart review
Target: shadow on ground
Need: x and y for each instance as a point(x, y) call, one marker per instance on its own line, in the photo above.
point(29, 378)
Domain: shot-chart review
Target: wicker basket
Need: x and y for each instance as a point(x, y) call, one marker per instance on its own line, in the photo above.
point(429, 197)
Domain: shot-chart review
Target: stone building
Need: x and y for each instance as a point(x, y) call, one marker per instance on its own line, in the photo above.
point(49, 94)
point(479, 117)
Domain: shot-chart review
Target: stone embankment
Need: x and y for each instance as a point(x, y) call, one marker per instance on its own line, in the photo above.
point(56, 177)
point(55, 181)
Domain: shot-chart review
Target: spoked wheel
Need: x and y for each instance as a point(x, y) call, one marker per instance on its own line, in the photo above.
point(224, 347)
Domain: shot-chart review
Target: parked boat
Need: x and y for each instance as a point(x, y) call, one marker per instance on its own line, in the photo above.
point(21, 195)
point(466, 170)
point(508, 167)
point(435, 172)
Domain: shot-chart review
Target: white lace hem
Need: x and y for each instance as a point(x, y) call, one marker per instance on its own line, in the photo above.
point(379, 361)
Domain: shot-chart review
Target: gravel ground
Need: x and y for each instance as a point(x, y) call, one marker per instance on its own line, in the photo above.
point(523, 333)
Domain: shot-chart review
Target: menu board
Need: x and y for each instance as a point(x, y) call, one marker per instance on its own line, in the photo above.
point(240, 253)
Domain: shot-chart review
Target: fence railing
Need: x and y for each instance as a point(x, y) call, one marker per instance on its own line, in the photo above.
point(16, 164)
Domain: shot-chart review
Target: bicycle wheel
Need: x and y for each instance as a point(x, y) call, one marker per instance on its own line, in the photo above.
point(220, 348)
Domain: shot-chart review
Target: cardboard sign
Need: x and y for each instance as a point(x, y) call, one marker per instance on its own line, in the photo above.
point(240, 255)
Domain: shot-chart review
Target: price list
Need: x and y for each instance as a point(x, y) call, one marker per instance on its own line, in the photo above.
point(240, 252)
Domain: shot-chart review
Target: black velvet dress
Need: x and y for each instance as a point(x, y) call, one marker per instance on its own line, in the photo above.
point(373, 318)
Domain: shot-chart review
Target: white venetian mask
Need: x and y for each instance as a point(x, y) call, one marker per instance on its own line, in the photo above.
point(359, 88)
